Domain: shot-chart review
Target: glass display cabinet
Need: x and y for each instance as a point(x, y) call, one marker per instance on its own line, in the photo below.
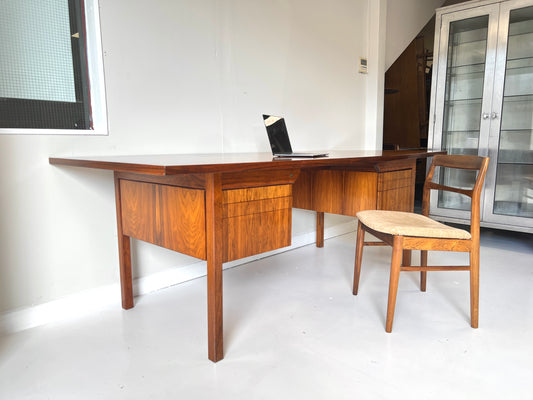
point(482, 103)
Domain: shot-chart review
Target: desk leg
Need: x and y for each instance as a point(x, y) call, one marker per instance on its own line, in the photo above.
point(214, 234)
point(124, 254)
point(319, 229)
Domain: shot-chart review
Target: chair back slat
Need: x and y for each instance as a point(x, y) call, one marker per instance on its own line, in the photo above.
point(459, 162)
point(438, 186)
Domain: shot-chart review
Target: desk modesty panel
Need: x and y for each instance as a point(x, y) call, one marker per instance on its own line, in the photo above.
point(222, 207)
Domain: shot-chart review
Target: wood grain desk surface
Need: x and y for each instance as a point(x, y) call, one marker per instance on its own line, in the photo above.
point(171, 164)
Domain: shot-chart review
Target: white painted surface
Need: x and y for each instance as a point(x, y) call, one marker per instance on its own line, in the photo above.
point(405, 19)
point(375, 85)
point(293, 330)
point(93, 300)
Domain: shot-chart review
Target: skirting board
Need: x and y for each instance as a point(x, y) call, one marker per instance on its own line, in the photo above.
point(94, 300)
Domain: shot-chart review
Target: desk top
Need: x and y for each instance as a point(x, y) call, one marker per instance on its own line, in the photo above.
point(172, 164)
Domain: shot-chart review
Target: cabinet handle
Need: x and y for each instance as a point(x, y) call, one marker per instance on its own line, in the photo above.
point(485, 115)
point(494, 115)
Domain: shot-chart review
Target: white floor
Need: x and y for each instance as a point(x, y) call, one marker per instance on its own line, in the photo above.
point(293, 330)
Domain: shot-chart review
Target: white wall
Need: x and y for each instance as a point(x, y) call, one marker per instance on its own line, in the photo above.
point(184, 77)
point(405, 19)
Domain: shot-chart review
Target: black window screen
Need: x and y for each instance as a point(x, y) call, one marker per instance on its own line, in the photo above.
point(43, 65)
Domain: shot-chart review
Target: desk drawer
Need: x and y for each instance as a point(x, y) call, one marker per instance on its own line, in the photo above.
point(256, 220)
point(396, 190)
point(394, 179)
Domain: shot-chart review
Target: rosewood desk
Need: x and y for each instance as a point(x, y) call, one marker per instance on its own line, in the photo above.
point(222, 207)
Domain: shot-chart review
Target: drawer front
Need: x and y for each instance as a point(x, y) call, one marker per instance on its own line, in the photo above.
point(256, 193)
point(256, 220)
point(396, 190)
point(394, 179)
point(256, 206)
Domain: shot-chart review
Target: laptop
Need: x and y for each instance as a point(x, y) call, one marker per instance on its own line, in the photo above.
point(279, 138)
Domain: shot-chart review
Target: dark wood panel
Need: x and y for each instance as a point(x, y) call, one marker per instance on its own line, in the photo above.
point(395, 165)
point(399, 199)
point(328, 191)
point(257, 206)
point(257, 193)
point(360, 192)
point(348, 192)
point(138, 210)
point(181, 220)
point(302, 190)
point(396, 190)
point(234, 180)
point(405, 108)
point(396, 179)
point(195, 181)
point(167, 216)
point(256, 220)
point(251, 234)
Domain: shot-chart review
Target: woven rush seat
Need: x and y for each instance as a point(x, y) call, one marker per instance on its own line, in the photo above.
point(409, 224)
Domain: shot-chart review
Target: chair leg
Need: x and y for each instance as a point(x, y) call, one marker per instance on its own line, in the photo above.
point(474, 288)
point(396, 263)
point(358, 257)
point(423, 274)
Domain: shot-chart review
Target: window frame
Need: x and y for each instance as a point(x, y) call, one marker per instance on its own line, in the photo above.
point(95, 80)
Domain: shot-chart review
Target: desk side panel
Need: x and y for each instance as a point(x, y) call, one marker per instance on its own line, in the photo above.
point(183, 220)
point(138, 203)
point(302, 190)
point(389, 187)
point(168, 216)
point(328, 191)
point(360, 192)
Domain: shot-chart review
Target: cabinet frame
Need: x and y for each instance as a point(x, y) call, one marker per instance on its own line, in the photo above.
point(498, 12)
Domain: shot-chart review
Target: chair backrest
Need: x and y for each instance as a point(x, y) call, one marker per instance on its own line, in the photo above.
point(473, 163)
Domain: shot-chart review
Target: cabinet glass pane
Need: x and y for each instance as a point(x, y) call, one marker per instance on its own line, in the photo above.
point(513, 193)
point(465, 72)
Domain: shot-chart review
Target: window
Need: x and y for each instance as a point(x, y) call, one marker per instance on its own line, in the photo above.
point(51, 70)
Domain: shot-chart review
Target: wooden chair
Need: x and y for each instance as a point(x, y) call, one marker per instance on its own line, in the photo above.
point(408, 231)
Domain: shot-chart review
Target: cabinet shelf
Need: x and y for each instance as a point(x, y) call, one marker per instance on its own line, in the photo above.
point(476, 69)
point(513, 60)
point(522, 98)
point(459, 102)
point(512, 157)
point(462, 132)
point(480, 66)
point(517, 131)
point(517, 30)
point(480, 42)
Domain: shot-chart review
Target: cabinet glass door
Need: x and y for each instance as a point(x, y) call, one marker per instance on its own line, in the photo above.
point(467, 49)
point(464, 91)
point(512, 157)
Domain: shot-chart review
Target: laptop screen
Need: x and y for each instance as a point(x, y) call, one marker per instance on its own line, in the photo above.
point(277, 134)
